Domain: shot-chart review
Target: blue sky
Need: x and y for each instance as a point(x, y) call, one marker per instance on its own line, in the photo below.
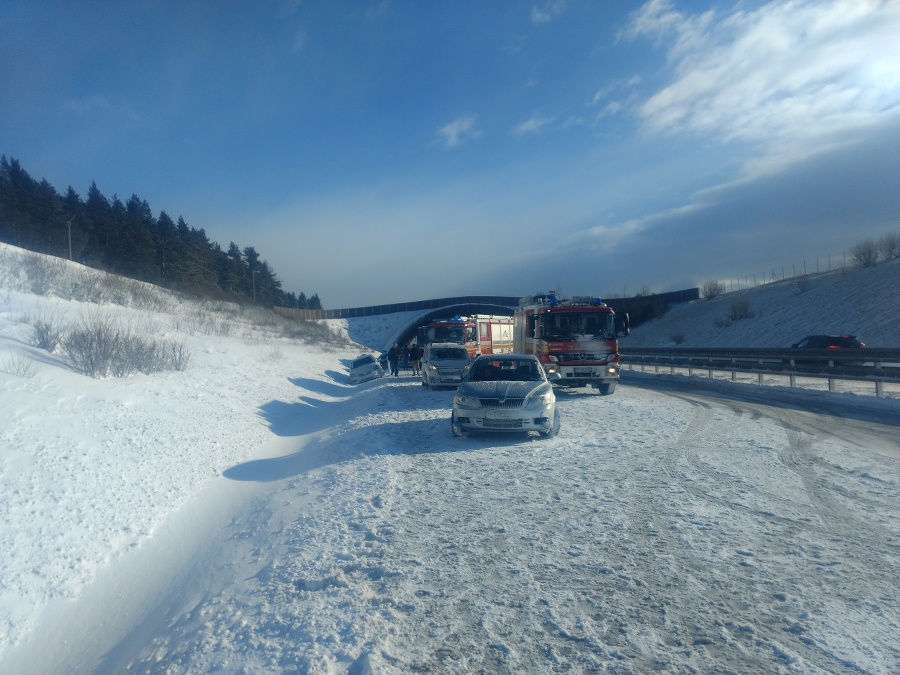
point(378, 152)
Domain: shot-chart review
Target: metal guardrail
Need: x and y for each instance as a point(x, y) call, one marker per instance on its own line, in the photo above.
point(870, 365)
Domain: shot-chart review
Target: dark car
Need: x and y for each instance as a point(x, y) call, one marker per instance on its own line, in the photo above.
point(828, 342)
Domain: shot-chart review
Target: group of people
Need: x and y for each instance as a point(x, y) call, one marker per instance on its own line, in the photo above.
point(398, 355)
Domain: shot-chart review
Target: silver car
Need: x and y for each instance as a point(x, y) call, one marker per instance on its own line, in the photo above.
point(505, 392)
point(443, 364)
point(365, 368)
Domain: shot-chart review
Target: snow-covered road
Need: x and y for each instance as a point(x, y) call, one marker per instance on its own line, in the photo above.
point(255, 514)
point(660, 531)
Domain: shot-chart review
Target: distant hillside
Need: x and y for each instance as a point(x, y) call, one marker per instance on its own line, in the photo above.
point(860, 301)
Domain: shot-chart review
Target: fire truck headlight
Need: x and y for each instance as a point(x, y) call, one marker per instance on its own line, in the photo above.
point(611, 370)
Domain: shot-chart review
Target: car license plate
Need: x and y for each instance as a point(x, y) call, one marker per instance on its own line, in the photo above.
point(499, 414)
point(582, 372)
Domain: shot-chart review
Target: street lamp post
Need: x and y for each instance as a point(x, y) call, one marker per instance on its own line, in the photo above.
point(69, 223)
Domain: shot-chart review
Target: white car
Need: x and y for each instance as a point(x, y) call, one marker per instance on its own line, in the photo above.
point(364, 368)
point(505, 392)
point(443, 364)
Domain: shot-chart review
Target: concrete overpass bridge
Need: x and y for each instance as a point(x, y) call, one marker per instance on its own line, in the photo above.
point(399, 322)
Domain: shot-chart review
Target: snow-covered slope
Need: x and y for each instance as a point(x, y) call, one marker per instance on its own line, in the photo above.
point(856, 301)
point(254, 513)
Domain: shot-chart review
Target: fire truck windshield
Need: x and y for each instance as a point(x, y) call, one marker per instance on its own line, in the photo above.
point(446, 334)
point(579, 326)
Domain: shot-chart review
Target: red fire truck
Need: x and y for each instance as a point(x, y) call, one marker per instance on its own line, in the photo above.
point(480, 333)
point(575, 339)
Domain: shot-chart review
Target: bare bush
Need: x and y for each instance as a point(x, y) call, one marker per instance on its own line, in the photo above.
point(864, 254)
point(47, 332)
point(100, 347)
point(889, 246)
point(226, 328)
point(740, 309)
point(179, 356)
point(146, 296)
point(677, 338)
point(92, 346)
point(712, 289)
point(86, 287)
point(315, 333)
point(801, 284)
point(43, 272)
point(18, 364)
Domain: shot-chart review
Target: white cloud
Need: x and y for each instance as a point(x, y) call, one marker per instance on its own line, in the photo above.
point(547, 12)
point(459, 130)
point(299, 42)
point(532, 126)
point(796, 76)
point(87, 104)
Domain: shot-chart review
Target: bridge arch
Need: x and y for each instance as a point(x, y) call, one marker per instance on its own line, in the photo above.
point(402, 319)
point(406, 333)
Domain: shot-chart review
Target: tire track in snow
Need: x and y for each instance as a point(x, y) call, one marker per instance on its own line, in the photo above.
point(706, 485)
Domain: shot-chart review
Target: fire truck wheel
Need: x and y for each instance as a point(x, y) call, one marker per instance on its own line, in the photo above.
point(606, 389)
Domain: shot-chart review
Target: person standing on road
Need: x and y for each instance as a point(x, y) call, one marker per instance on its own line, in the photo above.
point(394, 359)
point(415, 359)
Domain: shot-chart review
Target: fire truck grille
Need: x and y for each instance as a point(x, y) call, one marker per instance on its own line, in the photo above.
point(504, 404)
point(575, 358)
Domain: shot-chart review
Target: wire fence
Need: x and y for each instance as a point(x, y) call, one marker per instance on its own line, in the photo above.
point(820, 265)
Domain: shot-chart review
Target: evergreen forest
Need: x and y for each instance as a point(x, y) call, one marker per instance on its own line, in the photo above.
point(126, 239)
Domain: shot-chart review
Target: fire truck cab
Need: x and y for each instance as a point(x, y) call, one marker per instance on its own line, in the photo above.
point(574, 339)
point(480, 333)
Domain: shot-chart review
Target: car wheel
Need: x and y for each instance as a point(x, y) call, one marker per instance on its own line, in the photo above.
point(455, 428)
point(553, 429)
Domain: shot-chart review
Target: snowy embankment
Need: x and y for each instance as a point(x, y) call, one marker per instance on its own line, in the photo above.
point(862, 302)
point(254, 513)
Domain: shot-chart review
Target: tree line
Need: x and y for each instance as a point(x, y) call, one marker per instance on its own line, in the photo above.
point(126, 239)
